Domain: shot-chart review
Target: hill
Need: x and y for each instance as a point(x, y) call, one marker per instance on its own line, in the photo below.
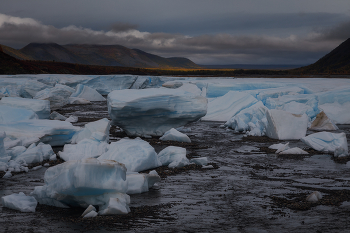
point(102, 55)
point(335, 62)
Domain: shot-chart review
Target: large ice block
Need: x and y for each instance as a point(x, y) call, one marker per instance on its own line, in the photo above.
point(154, 111)
point(53, 132)
point(98, 130)
point(10, 114)
point(31, 87)
point(173, 156)
point(327, 142)
point(36, 154)
point(141, 182)
point(40, 107)
point(85, 92)
point(136, 154)
point(227, 106)
point(283, 125)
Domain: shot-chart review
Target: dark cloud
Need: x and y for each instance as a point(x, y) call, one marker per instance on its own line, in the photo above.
point(220, 48)
point(340, 32)
point(123, 27)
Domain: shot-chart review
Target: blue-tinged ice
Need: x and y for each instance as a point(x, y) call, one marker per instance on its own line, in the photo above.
point(136, 154)
point(19, 202)
point(2, 146)
point(248, 117)
point(141, 182)
point(58, 95)
point(40, 107)
point(88, 93)
point(36, 154)
point(328, 142)
point(108, 83)
point(174, 135)
point(154, 111)
point(227, 106)
point(53, 132)
point(9, 114)
point(31, 87)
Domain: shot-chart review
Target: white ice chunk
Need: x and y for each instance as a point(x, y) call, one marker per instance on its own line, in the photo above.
point(327, 142)
point(280, 147)
point(7, 175)
point(136, 154)
point(37, 154)
point(203, 161)
point(40, 107)
point(314, 197)
point(40, 195)
point(9, 143)
point(192, 88)
point(14, 114)
point(174, 135)
point(91, 214)
point(86, 148)
point(54, 132)
point(119, 205)
point(88, 210)
point(101, 126)
point(72, 119)
point(172, 84)
point(227, 106)
point(19, 202)
point(75, 100)
point(140, 182)
point(322, 122)
point(285, 126)
point(87, 93)
point(293, 151)
point(58, 95)
point(56, 116)
point(173, 156)
point(3, 166)
point(154, 111)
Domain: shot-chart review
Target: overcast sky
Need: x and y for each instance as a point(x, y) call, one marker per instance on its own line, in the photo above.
point(206, 31)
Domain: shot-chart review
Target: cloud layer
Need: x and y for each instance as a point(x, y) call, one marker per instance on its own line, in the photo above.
point(221, 48)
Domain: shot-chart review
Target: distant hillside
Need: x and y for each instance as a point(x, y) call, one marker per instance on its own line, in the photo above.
point(250, 66)
point(335, 62)
point(103, 55)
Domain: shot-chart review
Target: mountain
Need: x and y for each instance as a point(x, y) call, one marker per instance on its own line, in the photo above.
point(335, 62)
point(103, 55)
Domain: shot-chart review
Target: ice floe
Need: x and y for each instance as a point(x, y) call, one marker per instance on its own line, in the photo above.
point(154, 111)
point(97, 130)
point(14, 114)
point(58, 95)
point(85, 92)
point(173, 156)
point(86, 148)
point(39, 107)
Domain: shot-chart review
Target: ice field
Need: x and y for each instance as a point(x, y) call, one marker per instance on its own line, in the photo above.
point(298, 116)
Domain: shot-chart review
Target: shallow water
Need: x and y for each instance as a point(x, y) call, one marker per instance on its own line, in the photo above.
point(251, 191)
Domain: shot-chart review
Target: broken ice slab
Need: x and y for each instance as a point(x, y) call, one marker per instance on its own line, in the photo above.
point(314, 197)
point(75, 100)
point(58, 95)
point(56, 116)
point(9, 114)
point(31, 87)
point(105, 84)
point(174, 135)
point(172, 84)
point(87, 93)
point(327, 142)
point(96, 130)
point(283, 125)
point(227, 106)
point(19, 202)
point(53, 132)
point(154, 111)
point(293, 151)
point(40, 107)
point(322, 123)
point(136, 154)
point(36, 154)
point(86, 148)
point(202, 161)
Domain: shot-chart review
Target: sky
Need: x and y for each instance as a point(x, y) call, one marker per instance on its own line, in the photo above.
point(209, 32)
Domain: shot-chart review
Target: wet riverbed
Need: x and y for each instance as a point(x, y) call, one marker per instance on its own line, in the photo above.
point(248, 189)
